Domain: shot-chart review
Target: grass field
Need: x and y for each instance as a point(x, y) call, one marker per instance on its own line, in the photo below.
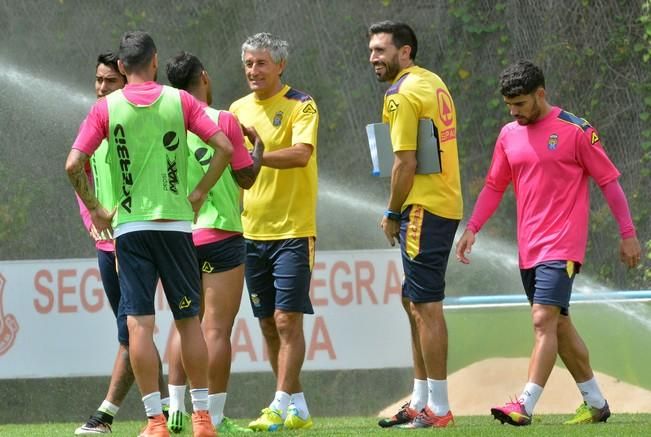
point(619, 345)
point(548, 425)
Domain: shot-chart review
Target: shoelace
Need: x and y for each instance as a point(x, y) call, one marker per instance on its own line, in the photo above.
point(515, 401)
point(404, 412)
point(423, 417)
point(94, 422)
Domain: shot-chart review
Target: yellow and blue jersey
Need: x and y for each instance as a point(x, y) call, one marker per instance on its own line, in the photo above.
point(282, 202)
point(418, 93)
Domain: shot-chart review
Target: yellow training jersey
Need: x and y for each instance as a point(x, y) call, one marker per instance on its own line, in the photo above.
point(418, 93)
point(281, 204)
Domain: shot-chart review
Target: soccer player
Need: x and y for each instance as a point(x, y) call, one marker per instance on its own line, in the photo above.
point(279, 221)
point(107, 80)
point(423, 213)
point(217, 235)
point(548, 154)
point(145, 125)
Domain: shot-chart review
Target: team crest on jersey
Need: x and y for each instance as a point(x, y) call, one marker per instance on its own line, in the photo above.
point(278, 118)
point(552, 143)
point(594, 138)
point(8, 325)
point(393, 106)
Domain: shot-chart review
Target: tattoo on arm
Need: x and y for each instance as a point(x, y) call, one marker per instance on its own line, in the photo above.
point(79, 181)
point(245, 177)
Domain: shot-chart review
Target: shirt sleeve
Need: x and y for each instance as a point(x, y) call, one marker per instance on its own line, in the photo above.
point(487, 202)
point(402, 116)
point(196, 119)
point(305, 124)
point(93, 129)
point(231, 127)
point(618, 205)
point(499, 173)
point(592, 157)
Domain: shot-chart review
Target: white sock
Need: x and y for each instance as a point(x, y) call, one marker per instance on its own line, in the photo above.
point(199, 399)
point(216, 402)
point(108, 408)
point(591, 393)
point(530, 396)
point(437, 401)
point(280, 402)
point(419, 395)
point(152, 403)
point(177, 397)
point(298, 400)
point(165, 402)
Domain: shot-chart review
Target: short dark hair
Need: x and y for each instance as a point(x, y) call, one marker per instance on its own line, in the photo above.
point(523, 77)
point(402, 34)
point(184, 70)
point(137, 49)
point(110, 59)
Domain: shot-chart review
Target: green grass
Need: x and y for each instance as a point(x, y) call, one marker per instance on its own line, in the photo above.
point(619, 345)
point(546, 425)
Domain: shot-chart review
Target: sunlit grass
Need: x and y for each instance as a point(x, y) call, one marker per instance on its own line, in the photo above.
point(544, 425)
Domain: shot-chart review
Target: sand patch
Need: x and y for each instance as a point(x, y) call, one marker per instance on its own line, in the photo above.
point(473, 390)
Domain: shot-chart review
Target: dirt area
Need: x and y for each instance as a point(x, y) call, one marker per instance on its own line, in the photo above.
point(475, 389)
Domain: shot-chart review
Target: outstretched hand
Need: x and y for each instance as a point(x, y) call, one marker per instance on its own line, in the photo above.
point(464, 246)
point(630, 252)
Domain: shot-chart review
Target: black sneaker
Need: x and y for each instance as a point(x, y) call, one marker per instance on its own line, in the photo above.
point(97, 424)
point(405, 415)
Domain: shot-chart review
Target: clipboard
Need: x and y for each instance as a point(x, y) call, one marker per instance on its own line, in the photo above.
point(428, 153)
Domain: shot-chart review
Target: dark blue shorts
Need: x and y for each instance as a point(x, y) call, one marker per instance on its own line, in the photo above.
point(425, 243)
point(278, 275)
point(111, 283)
point(146, 256)
point(550, 283)
point(221, 256)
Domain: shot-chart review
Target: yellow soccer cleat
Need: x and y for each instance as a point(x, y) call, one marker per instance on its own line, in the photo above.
point(586, 414)
point(294, 420)
point(269, 420)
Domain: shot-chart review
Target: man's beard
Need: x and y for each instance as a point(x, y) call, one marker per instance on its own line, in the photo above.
point(391, 70)
point(535, 114)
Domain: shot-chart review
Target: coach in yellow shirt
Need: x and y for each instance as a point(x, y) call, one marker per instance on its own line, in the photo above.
point(279, 220)
point(423, 213)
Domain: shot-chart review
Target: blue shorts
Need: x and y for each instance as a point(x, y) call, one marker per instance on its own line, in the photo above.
point(221, 256)
point(425, 243)
point(111, 283)
point(550, 283)
point(146, 256)
point(278, 275)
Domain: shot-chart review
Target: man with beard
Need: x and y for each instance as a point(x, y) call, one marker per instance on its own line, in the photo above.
point(548, 154)
point(145, 125)
point(107, 80)
point(423, 213)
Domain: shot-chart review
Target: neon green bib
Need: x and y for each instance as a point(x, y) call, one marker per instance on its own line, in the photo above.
point(222, 207)
point(99, 163)
point(149, 158)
